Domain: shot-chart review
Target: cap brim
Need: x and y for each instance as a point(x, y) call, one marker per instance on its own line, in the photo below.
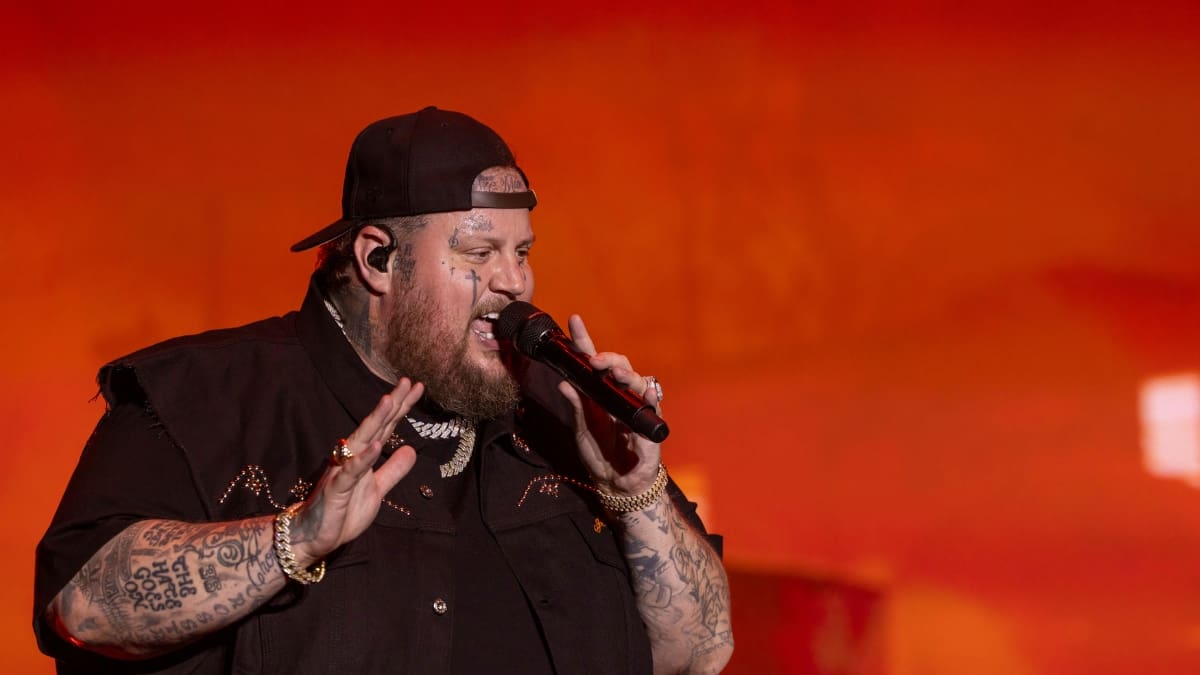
point(323, 235)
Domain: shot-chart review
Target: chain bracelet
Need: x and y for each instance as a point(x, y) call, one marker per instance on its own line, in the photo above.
point(636, 502)
point(283, 549)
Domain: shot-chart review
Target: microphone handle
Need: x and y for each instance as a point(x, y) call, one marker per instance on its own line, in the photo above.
point(556, 350)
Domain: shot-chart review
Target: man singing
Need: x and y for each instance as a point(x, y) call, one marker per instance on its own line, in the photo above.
point(375, 483)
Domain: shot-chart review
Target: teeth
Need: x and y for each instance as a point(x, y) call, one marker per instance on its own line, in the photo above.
point(487, 335)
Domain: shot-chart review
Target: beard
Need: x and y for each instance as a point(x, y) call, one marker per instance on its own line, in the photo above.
point(420, 348)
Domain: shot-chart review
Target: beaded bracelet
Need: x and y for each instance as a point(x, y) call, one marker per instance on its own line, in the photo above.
point(283, 549)
point(637, 502)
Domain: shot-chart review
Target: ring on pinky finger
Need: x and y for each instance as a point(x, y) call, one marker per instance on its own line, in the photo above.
point(653, 383)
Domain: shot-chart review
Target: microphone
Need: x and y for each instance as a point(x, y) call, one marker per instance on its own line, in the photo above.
point(534, 334)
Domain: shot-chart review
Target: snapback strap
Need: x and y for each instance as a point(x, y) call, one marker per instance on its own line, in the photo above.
point(503, 200)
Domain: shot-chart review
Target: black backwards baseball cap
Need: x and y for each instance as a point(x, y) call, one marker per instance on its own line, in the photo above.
point(422, 162)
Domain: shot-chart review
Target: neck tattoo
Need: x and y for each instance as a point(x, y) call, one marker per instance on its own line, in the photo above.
point(459, 427)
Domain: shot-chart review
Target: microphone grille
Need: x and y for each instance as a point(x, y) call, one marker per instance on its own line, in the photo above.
point(511, 318)
point(524, 325)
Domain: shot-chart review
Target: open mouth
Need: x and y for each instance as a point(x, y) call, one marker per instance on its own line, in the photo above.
point(483, 325)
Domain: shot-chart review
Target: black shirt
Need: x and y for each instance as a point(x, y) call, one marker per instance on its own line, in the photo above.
point(235, 423)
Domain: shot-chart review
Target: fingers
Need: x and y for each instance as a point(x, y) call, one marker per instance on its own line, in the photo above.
point(378, 426)
point(605, 445)
point(627, 377)
point(391, 408)
point(415, 392)
point(395, 468)
point(650, 394)
point(588, 415)
point(572, 397)
point(603, 360)
point(367, 441)
point(609, 360)
point(587, 445)
point(617, 364)
point(381, 422)
point(579, 335)
point(346, 475)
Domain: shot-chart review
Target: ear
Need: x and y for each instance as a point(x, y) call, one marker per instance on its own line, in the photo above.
point(373, 247)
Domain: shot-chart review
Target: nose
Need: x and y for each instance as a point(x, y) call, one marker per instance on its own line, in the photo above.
point(510, 275)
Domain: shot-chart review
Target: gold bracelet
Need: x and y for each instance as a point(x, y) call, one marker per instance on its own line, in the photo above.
point(637, 502)
point(283, 549)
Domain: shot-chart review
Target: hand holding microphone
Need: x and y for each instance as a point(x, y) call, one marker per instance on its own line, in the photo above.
point(535, 334)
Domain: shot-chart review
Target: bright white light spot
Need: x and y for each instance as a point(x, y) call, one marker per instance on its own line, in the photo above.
point(1170, 413)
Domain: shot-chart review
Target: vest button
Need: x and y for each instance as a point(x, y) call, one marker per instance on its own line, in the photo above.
point(440, 607)
point(426, 491)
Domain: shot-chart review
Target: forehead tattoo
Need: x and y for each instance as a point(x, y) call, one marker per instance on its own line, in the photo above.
point(476, 222)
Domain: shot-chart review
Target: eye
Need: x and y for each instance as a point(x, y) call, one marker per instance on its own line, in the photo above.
point(478, 255)
point(523, 254)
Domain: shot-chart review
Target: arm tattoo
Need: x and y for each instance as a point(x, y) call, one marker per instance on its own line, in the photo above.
point(681, 588)
point(161, 584)
point(647, 568)
point(694, 562)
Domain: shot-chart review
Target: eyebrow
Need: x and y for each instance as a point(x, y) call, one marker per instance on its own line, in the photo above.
point(494, 241)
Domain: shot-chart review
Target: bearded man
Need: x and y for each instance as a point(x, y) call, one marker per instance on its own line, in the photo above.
point(476, 515)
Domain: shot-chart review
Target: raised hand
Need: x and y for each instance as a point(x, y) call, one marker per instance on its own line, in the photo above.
point(347, 497)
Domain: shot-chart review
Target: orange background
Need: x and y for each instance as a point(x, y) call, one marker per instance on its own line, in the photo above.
point(902, 270)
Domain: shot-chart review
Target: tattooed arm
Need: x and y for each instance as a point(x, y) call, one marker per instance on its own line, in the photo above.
point(161, 584)
point(682, 592)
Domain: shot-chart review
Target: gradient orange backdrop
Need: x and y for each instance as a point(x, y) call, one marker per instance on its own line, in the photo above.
point(901, 269)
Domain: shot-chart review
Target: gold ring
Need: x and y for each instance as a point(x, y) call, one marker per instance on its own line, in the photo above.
point(652, 381)
point(341, 453)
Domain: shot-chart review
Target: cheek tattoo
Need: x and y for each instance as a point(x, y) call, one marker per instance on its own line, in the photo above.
point(474, 286)
point(405, 262)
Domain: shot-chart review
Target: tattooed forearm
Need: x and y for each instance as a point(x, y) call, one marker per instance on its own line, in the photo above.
point(682, 591)
point(647, 569)
point(159, 585)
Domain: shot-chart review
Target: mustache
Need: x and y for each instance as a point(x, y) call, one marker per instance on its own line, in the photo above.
point(491, 306)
